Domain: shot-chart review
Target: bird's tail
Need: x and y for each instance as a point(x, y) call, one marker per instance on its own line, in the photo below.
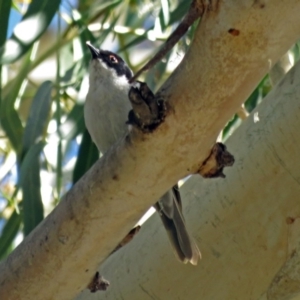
point(170, 211)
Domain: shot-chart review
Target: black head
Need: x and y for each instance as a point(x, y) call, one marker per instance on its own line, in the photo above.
point(112, 60)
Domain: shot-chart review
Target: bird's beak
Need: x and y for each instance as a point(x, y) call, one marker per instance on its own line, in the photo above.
point(94, 51)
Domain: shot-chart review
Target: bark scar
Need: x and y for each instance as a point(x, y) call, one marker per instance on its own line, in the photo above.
point(148, 111)
point(98, 283)
point(128, 238)
point(218, 159)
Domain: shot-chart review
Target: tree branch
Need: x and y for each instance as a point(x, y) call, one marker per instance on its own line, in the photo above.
point(59, 258)
point(246, 225)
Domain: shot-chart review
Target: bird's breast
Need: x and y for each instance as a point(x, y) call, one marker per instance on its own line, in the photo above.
point(105, 112)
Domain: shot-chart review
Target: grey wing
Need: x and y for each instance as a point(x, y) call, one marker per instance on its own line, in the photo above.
point(170, 211)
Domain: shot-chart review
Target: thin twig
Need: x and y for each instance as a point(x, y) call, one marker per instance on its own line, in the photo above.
point(195, 11)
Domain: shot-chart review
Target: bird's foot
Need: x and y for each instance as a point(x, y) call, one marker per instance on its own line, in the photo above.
point(148, 111)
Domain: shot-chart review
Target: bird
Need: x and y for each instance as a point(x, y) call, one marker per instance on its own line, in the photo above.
point(105, 112)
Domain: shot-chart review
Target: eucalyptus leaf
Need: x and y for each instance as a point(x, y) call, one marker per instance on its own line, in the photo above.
point(38, 115)
point(9, 116)
point(9, 233)
point(30, 182)
point(87, 156)
point(5, 6)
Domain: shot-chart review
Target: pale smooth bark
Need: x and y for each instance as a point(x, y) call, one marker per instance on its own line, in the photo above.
point(247, 225)
point(59, 258)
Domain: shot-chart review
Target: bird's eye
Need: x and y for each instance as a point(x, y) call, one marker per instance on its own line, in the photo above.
point(113, 59)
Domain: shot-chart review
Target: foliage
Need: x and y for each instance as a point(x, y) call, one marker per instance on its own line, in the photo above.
point(44, 146)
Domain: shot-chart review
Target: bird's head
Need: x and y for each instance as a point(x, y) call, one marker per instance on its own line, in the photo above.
point(106, 65)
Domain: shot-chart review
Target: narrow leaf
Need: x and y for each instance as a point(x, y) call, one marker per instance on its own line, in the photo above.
point(5, 6)
point(87, 156)
point(9, 233)
point(9, 117)
point(38, 115)
point(30, 182)
point(178, 13)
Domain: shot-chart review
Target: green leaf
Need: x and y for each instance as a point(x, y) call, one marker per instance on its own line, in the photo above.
point(178, 13)
point(9, 117)
point(12, 125)
point(33, 212)
point(251, 102)
point(5, 6)
point(35, 21)
point(87, 155)
point(38, 115)
point(4, 16)
point(229, 127)
point(9, 233)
